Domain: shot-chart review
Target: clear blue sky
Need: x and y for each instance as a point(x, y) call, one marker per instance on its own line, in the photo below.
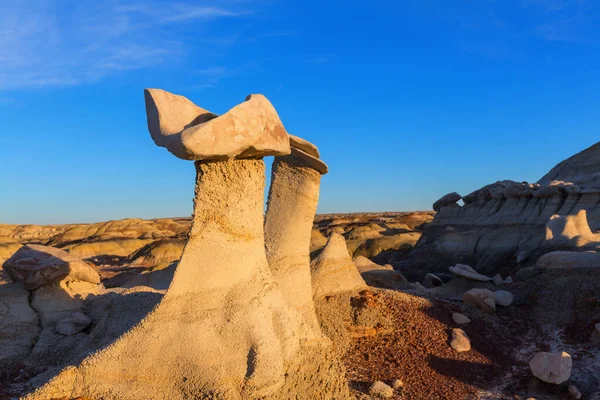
point(407, 100)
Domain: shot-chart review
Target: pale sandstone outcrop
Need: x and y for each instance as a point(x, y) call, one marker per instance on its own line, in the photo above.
point(572, 231)
point(504, 224)
point(37, 266)
point(333, 270)
point(223, 329)
point(250, 129)
point(159, 254)
point(447, 200)
point(569, 260)
point(291, 209)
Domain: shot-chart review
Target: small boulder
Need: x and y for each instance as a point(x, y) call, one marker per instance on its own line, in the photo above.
point(551, 367)
point(381, 390)
point(503, 298)
point(73, 324)
point(460, 341)
point(483, 299)
point(460, 319)
point(397, 384)
point(36, 266)
point(465, 271)
point(432, 281)
point(497, 280)
point(574, 392)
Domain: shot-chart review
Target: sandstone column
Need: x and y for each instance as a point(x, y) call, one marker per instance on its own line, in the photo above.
point(223, 330)
point(291, 208)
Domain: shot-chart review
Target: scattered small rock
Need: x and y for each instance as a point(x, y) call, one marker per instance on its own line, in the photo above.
point(460, 319)
point(508, 280)
point(466, 271)
point(73, 324)
point(419, 287)
point(497, 280)
point(551, 367)
point(503, 298)
point(596, 334)
point(460, 340)
point(574, 392)
point(483, 299)
point(397, 384)
point(432, 280)
point(381, 390)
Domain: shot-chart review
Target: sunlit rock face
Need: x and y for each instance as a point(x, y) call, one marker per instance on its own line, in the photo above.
point(505, 224)
point(224, 329)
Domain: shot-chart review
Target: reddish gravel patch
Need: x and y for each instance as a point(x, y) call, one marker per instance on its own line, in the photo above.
point(417, 351)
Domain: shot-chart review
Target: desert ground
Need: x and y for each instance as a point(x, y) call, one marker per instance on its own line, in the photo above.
point(493, 295)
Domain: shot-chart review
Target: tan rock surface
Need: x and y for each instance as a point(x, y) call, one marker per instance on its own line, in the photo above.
point(552, 367)
point(333, 270)
point(460, 341)
point(291, 208)
point(304, 145)
point(202, 354)
point(250, 129)
point(37, 265)
point(19, 326)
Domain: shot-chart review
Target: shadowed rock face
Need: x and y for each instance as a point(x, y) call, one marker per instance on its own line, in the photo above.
point(504, 224)
point(37, 266)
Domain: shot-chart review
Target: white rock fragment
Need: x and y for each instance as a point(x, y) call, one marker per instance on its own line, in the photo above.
point(503, 298)
point(466, 271)
point(73, 324)
point(381, 390)
point(552, 367)
point(460, 319)
point(497, 280)
point(432, 280)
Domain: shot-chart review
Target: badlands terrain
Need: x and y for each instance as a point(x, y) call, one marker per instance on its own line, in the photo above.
point(493, 295)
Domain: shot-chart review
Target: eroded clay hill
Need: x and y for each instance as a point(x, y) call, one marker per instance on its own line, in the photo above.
point(508, 224)
point(131, 246)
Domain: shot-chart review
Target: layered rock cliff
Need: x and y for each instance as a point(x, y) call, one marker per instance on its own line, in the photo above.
point(504, 224)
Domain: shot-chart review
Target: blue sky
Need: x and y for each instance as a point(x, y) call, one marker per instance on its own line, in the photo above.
point(407, 100)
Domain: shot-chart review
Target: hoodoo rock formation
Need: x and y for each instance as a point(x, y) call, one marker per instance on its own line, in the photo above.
point(504, 225)
point(333, 271)
point(224, 329)
point(291, 209)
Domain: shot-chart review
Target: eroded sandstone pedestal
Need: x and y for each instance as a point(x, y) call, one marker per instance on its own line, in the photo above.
point(223, 330)
point(292, 204)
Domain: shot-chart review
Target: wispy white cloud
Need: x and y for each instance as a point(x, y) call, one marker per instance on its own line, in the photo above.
point(565, 20)
point(48, 43)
